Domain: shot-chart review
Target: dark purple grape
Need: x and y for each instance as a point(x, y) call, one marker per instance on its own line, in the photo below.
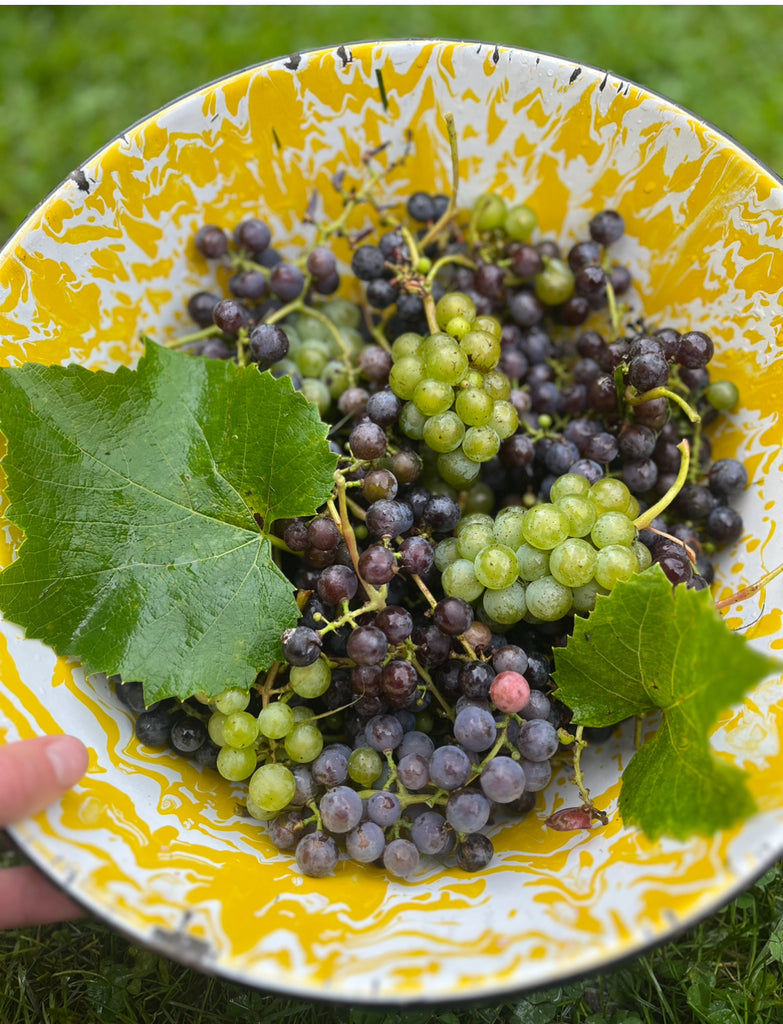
point(383, 408)
point(321, 262)
point(201, 306)
point(526, 261)
point(474, 852)
point(252, 235)
point(389, 518)
point(286, 281)
point(420, 207)
point(510, 658)
point(322, 533)
point(727, 477)
point(640, 475)
point(432, 646)
point(584, 254)
point(724, 525)
point(606, 227)
point(153, 727)
point(475, 679)
point(248, 284)
point(525, 308)
point(211, 241)
point(367, 645)
point(375, 363)
point(417, 556)
point(695, 350)
point(452, 616)
point(635, 441)
point(337, 583)
point(268, 344)
point(231, 316)
point(381, 293)
point(399, 683)
point(301, 646)
point(396, 622)
point(367, 441)
point(377, 565)
point(647, 371)
point(368, 262)
point(441, 513)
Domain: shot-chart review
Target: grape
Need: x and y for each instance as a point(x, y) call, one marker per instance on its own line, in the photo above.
point(537, 740)
point(276, 720)
point(304, 742)
point(310, 680)
point(236, 764)
point(301, 646)
point(364, 765)
point(547, 599)
point(240, 729)
point(317, 855)
point(340, 809)
point(502, 780)
point(365, 843)
point(467, 811)
point(330, 768)
point(384, 732)
point(474, 852)
point(545, 526)
point(450, 768)
point(475, 729)
point(401, 858)
point(271, 787)
point(431, 834)
point(506, 606)
point(452, 616)
point(510, 691)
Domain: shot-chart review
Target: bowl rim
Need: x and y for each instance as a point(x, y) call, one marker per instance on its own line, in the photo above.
point(186, 955)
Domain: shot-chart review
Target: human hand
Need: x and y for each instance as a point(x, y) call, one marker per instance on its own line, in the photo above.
point(33, 774)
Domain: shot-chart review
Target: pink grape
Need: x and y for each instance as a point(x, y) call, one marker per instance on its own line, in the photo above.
point(509, 692)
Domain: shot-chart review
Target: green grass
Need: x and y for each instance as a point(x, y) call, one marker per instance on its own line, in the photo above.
point(73, 77)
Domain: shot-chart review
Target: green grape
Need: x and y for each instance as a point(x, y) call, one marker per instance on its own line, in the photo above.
point(342, 312)
point(532, 562)
point(496, 566)
point(336, 377)
point(568, 484)
point(615, 563)
point(408, 344)
point(352, 341)
point(481, 348)
point(613, 528)
point(481, 443)
point(505, 419)
point(311, 358)
point(474, 406)
point(310, 681)
point(258, 812)
point(232, 700)
point(304, 743)
point(446, 552)
point(309, 327)
point(573, 562)
point(444, 432)
point(364, 765)
point(240, 729)
point(317, 392)
point(215, 728)
point(412, 422)
point(454, 304)
point(432, 396)
point(722, 395)
point(303, 713)
point(508, 526)
point(580, 512)
point(545, 526)
point(555, 284)
point(610, 495)
point(456, 468)
point(405, 375)
point(474, 517)
point(480, 498)
point(547, 599)
point(643, 556)
point(443, 359)
point(584, 597)
point(505, 606)
point(496, 384)
point(272, 787)
point(285, 367)
point(520, 223)
point(633, 509)
point(489, 212)
point(276, 720)
point(457, 326)
point(490, 324)
point(459, 580)
point(474, 537)
point(234, 764)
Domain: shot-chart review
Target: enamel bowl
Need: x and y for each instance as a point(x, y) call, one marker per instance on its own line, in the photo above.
point(152, 845)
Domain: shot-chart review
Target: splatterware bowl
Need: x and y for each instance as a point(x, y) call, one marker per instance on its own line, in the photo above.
point(151, 844)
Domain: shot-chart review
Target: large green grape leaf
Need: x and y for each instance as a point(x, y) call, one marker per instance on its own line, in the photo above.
point(651, 647)
point(146, 497)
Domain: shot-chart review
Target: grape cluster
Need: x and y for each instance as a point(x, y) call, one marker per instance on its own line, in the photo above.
point(510, 441)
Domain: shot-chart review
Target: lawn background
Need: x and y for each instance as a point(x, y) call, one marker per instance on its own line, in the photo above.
point(71, 78)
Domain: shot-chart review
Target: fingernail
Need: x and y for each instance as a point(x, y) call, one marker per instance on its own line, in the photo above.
point(68, 758)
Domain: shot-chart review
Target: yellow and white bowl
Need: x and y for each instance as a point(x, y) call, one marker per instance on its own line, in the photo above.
point(153, 845)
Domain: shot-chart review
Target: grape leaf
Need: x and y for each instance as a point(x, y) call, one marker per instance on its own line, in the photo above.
point(146, 497)
point(651, 647)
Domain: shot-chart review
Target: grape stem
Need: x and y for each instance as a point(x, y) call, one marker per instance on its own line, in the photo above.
point(632, 397)
point(644, 520)
point(187, 339)
point(750, 590)
point(448, 213)
point(579, 744)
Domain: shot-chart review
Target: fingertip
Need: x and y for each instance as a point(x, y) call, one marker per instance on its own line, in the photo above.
point(68, 757)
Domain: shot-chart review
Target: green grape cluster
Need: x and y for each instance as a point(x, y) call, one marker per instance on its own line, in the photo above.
point(548, 561)
point(455, 400)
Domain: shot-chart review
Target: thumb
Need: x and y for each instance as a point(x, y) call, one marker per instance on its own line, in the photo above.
point(37, 772)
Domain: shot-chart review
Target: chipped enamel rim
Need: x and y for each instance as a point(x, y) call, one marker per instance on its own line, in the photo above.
point(152, 845)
